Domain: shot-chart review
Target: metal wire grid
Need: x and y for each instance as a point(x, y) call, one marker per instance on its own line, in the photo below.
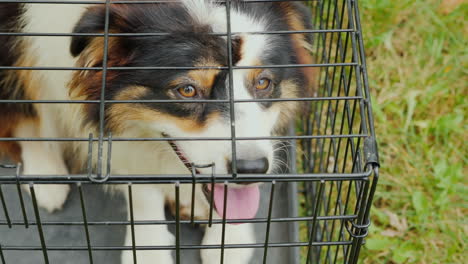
point(339, 155)
point(336, 149)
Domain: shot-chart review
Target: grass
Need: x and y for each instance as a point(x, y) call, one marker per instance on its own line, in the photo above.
point(417, 64)
point(417, 67)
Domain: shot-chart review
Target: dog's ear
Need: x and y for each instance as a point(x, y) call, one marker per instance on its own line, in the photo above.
point(90, 49)
point(298, 17)
point(93, 21)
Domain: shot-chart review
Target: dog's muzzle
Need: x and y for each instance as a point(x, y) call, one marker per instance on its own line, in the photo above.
point(242, 201)
point(247, 166)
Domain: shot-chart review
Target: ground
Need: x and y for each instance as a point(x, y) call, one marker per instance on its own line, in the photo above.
point(417, 65)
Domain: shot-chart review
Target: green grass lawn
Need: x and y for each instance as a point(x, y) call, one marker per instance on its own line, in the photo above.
point(417, 64)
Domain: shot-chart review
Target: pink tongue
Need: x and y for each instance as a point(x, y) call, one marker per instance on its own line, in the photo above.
point(242, 203)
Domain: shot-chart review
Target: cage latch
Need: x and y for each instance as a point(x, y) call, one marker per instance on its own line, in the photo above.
point(370, 150)
point(358, 230)
point(99, 177)
point(194, 168)
point(8, 166)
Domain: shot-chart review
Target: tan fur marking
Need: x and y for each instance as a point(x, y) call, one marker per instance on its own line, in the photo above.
point(184, 211)
point(9, 149)
point(287, 109)
point(301, 47)
point(87, 83)
point(132, 93)
point(120, 113)
point(9, 124)
point(204, 78)
point(28, 80)
point(253, 74)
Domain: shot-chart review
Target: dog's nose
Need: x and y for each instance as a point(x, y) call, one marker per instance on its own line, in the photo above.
point(250, 166)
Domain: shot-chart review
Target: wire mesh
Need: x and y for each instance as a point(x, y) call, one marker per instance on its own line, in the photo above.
point(329, 178)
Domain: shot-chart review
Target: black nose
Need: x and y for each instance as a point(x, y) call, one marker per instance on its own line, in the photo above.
point(250, 166)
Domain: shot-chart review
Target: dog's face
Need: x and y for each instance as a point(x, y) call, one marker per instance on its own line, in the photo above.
point(189, 42)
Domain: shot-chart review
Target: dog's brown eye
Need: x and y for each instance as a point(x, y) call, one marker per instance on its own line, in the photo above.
point(263, 84)
point(187, 91)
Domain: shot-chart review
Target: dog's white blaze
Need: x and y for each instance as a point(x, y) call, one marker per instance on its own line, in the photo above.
point(250, 118)
point(215, 15)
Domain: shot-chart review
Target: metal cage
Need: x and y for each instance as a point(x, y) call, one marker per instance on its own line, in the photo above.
point(329, 180)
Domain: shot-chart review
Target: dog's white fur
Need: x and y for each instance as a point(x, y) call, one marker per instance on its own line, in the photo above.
point(59, 120)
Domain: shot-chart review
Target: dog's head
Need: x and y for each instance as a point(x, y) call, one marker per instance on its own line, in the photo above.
point(191, 39)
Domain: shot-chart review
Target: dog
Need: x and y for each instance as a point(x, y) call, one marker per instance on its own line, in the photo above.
point(192, 37)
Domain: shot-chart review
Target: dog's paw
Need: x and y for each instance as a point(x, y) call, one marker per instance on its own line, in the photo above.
point(51, 197)
point(231, 256)
point(185, 212)
point(235, 234)
point(148, 257)
point(201, 210)
point(149, 236)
